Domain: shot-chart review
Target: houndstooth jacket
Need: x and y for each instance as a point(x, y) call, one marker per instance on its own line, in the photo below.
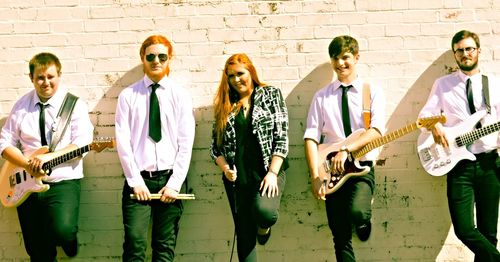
point(269, 123)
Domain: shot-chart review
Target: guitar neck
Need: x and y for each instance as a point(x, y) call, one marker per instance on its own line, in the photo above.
point(384, 140)
point(66, 157)
point(469, 137)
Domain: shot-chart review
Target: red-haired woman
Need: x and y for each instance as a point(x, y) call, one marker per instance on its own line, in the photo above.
point(250, 145)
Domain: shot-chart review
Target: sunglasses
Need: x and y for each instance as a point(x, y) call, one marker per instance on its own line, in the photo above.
point(161, 57)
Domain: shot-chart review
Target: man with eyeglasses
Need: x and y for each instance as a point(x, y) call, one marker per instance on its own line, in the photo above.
point(154, 128)
point(458, 95)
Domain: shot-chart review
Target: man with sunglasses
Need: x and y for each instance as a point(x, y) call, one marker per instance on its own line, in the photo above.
point(458, 95)
point(155, 134)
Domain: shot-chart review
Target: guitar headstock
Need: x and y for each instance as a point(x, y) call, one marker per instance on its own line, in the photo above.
point(429, 122)
point(102, 143)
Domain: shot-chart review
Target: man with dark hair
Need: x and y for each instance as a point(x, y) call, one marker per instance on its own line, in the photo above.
point(48, 219)
point(335, 111)
point(458, 95)
point(155, 134)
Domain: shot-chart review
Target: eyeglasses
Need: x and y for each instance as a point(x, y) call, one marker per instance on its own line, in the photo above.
point(161, 57)
point(468, 50)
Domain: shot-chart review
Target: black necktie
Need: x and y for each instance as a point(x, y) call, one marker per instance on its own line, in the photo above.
point(470, 98)
point(345, 111)
point(154, 115)
point(41, 123)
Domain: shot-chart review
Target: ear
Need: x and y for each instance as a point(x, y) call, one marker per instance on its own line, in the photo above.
point(31, 77)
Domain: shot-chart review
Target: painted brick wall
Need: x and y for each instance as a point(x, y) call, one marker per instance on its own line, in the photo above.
point(404, 47)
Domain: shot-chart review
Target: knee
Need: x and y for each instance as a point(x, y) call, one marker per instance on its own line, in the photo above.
point(360, 216)
point(266, 216)
point(464, 233)
point(65, 233)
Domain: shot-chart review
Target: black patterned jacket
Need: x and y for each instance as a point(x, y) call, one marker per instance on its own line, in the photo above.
point(269, 122)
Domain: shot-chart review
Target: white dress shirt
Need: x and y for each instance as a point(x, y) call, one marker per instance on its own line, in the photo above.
point(448, 95)
point(136, 150)
point(21, 130)
point(324, 120)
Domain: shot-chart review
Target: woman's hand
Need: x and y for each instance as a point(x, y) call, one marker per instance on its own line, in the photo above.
point(269, 185)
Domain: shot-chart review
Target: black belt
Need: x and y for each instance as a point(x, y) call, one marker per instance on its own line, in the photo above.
point(154, 174)
point(491, 154)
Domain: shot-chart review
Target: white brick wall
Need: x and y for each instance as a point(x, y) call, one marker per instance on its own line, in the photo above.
point(404, 47)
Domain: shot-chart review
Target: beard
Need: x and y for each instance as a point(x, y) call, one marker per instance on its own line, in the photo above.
point(466, 67)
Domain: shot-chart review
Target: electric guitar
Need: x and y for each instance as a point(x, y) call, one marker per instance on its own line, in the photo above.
point(437, 160)
point(16, 184)
point(352, 167)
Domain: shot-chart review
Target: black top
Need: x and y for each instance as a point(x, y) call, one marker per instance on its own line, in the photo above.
point(248, 159)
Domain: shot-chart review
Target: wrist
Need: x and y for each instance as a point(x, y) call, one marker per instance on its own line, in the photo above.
point(344, 149)
point(272, 172)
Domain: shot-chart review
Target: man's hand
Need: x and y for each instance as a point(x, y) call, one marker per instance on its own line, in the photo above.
point(142, 193)
point(168, 195)
point(319, 188)
point(34, 167)
point(338, 162)
point(439, 135)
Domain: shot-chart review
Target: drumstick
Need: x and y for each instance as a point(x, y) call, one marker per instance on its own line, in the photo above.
point(179, 196)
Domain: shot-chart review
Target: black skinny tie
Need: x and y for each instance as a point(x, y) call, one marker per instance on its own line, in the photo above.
point(41, 123)
point(346, 121)
point(154, 115)
point(470, 99)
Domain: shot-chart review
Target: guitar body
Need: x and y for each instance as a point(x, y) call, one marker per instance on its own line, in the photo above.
point(437, 160)
point(351, 166)
point(16, 184)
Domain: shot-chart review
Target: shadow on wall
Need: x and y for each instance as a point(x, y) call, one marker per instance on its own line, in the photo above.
point(410, 206)
point(103, 183)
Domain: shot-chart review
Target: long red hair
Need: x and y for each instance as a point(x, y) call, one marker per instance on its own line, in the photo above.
point(153, 40)
point(226, 99)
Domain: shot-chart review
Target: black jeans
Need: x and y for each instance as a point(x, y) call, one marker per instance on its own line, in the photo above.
point(136, 219)
point(50, 219)
point(476, 182)
point(349, 206)
point(251, 210)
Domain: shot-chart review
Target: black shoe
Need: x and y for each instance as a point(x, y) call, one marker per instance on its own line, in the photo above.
point(71, 249)
point(262, 239)
point(364, 231)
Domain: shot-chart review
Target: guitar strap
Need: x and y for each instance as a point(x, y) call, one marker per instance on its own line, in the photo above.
point(366, 105)
point(63, 117)
point(486, 94)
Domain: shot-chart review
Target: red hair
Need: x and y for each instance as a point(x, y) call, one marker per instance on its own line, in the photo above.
point(226, 98)
point(153, 40)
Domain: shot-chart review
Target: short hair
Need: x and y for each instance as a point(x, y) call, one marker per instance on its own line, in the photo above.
point(44, 60)
point(459, 36)
point(153, 40)
point(341, 44)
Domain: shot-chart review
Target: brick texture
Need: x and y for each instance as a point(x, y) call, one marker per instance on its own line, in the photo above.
point(404, 47)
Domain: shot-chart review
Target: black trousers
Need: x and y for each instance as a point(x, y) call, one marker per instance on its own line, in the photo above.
point(476, 183)
point(136, 220)
point(251, 210)
point(349, 206)
point(50, 219)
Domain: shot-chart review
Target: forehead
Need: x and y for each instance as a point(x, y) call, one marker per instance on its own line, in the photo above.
point(344, 54)
point(466, 42)
point(156, 49)
point(231, 69)
point(45, 70)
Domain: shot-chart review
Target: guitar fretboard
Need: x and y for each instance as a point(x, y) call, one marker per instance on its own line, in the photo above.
point(384, 140)
point(66, 157)
point(469, 137)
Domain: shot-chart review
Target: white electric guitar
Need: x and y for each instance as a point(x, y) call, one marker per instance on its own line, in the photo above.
point(437, 160)
point(16, 184)
point(352, 167)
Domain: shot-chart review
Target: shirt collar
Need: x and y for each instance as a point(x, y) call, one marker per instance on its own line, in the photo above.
point(163, 82)
point(356, 84)
point(464, 77)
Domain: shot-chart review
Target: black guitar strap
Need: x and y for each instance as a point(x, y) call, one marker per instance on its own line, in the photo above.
point(486, 94)
point(63, 117)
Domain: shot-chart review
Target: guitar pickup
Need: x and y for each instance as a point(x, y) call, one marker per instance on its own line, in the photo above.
point(425, 154)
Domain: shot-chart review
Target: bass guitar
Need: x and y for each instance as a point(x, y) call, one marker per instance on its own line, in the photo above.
point(16, 184)
point(438, 161)
point(352, 167)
